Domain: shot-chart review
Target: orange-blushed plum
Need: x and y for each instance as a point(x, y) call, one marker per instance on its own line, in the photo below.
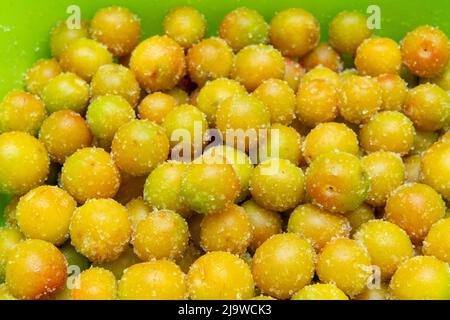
point(105, 115)
point(425, 51)
point(9, 238)
point(265, 223)
point(322, 73)
point(117, 28)
point(240, 118)
point(162, 234)
point(277, 185)
point(341, 39)
point(293, 72)
point(138, 210)
point(220, 275)
point(158, 63)
point(118, 266)
point(359, 216)
point(203, 60)
point(21, 111)
point(328, 137)
point(115, 79)
point(40, 74)
point(227, 230)
point(154, 280)
point(423, 140)
point(415, 208)
point(421, 278)
point(84, 56)
point(213, 93)
point(294, 32)
point(283, 265)
point(130, 187)
point(428, 106)
point(186, 25)
point(323, 55)
point(386, 172)
point(242, 27)
point(45, 213)
point(279, 98)
point(376, 56)
point(156, 106)
point(388, 131)
point(209, 187)
point(163, 187)
point(375, 293)
point(437, 242)
point(62, 36)
point(346, 264)
point(412, 168)
point(317, 102)
point(336, 181)
point(139, 146)
point(63, 133)
point(240, 161)
point(256, 63)
point(100, 229)
point(25, 163)
point(360, 98)
point(90, 173)
point(435, 168)
point(95, 284)
point(393, 92)
point(317, 226)
point(282, 142)
point(22, 280)
point(388, 245)
point(320, 291)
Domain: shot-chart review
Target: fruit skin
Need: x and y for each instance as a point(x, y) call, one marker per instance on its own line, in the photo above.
point(358, 217)
point(45, 213)
point(185, 25)
point(154, 280)
point(158, 63)
point(243, 27)
point(277, 185)
point(90, 173)
point(292, 73)
point(320, 291)
point(202, 60)
point(317, 226)
point(415, 208)
point(437, 242)
point(387, 244)
point(156, 106)
point(95, 284)
point(40, 74)
point(337, 182)
point(227, 230)
point(376, 56)
point(435, 168)
point(256, 63)
point(74, 258)
point(84, 57)
point(282, 142)
point(425, 51)
point(323, 55)
point(442, 80)
point(9, 238)
point(421, 278)
point(386, 172)
point(25, 163)
point(412, 168)
point(283, 264)
point(63, 133)
point(23, 281)
point(428, 106)
point(62, 36)
point(100, 229)
point(117, 28)
point(21, 111)
point(208, 188)
point(139, 146)
point(345, 263)
point(163, 234)
point(393, 91)
point(220, 275)
point(294, 32)
point(342, 40)
point(424, 140)
point(66, 91)
point(127, 259)
point(115, 79)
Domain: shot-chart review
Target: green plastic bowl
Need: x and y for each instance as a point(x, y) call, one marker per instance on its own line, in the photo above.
point(25, 24)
